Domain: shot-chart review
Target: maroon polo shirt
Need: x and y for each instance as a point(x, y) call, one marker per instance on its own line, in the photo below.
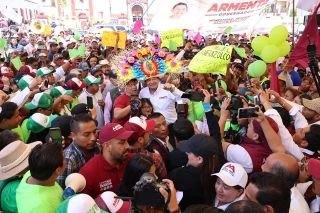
point(121, 102)
point(101, 176)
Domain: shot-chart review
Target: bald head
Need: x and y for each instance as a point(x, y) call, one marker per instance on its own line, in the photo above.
point(283, 165)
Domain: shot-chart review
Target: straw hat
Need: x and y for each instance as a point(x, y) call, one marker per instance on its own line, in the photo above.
point(14, 158)
point(313, 104)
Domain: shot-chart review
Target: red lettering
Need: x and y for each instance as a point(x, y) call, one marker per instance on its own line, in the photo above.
point(243, 6)
point(252, 5)
point(237, 6)
point(213, 8)
point(224, 7)
point(231, 167)
point(233, 6)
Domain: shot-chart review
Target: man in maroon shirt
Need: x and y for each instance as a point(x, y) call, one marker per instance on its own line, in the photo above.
point(104, 171)
point(121, 113)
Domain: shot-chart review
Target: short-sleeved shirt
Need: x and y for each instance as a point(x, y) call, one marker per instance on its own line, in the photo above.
point(101, 176)
point(121, 102)
point(37, 199)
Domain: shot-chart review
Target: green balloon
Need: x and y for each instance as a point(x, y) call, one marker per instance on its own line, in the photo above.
point(278, 34)
point(76, 36)
point(270, 53)
point(257, 68)
point(284, 48)
point(259, 42)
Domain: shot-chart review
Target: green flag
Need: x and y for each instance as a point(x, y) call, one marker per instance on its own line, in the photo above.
point(16, 63)
point(228, 30)
point(82, 50)
point(73, 53)
point(241, 52)
point(3, 43)
point(172, 45)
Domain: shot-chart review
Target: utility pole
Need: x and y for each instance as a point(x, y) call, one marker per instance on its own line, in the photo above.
point(293, 18)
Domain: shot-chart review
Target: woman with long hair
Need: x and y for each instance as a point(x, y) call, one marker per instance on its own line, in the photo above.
point(137, 166)
point(195, 178)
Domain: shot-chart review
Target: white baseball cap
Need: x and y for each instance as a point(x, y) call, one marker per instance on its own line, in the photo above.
point(108, 201)
point(233, 174)
point(80, 203)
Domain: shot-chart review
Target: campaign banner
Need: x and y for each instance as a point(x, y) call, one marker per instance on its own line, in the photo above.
point(173, 36)
point(239, 14)
point(212, 59)
point(109, 39)
point(206, 15)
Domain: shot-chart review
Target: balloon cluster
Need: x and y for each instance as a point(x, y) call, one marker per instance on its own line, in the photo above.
point(269, 49)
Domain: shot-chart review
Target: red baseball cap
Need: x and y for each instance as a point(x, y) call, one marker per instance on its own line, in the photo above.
point(113, 131)
point(75, 84)
point(313, 168)
point(139, 127)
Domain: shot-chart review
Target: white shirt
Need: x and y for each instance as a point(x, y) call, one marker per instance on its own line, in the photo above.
point(107, 108)
point(29, 49)
point(224, 206)
point(98, 96)
point(298, 204)
point(163, 101)
point(315, 205)
point(238, 154)
point(300, 121)
point(285, 136)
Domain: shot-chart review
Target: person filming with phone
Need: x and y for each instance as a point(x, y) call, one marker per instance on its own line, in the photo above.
point(124, 104)
point(260, 140)
point(93, 97)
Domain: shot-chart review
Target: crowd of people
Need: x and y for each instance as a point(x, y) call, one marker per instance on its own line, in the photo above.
point(176, 135)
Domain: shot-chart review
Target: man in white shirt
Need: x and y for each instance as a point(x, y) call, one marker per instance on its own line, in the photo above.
point(287, 167)
point(31, 48)
point(162, 97)
point(92, 90)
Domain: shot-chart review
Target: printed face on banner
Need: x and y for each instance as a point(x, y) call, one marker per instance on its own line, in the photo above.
point(197, 15)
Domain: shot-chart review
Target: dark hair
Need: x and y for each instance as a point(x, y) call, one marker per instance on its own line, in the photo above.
point(80, 118)
point(92, 56)
point(70, 75)
point(285, 116)
point(53, 44)
point(63, 122)
point(292, 90)
point(290, 177)
point(44, 159)
point(305, 96)
point(239, 66)
point(202, 208)
point(155, 115)
point(312, 137)
point(7, 136)
point(307, 78)
point(183, 129)
point(180, 4)
point(31, 60)
point(272, 191)
point(7, 110)
point(137, 166)
point(244, 206)
point(145, 101)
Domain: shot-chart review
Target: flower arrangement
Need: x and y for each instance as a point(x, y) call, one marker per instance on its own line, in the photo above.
point(148, 62)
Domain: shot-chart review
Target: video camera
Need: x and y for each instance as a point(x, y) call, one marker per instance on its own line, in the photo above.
point(147, 193)
point(235, 102)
